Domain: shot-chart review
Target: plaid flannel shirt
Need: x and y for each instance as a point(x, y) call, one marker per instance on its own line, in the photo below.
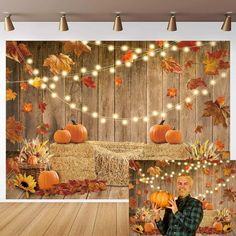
point(185, 221)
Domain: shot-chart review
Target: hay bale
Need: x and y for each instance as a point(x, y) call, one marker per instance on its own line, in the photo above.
point(114, 167)
point(208, 218)
point(108, 160)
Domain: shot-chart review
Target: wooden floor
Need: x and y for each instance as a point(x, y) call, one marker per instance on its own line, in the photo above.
point(111, 193)
point(59, 219)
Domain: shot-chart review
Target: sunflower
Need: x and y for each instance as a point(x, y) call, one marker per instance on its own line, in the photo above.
point(26, 183)
point(138, 228)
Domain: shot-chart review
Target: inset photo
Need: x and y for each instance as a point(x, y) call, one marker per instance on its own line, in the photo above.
point(182, 198)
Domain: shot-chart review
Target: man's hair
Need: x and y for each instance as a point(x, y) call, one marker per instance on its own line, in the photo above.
point(188, 177)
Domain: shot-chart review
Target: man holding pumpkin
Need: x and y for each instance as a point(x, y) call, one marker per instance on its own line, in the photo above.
point(183, 216)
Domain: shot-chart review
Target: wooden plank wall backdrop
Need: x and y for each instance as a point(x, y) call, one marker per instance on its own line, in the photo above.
point(199, 185)
point(143, 90)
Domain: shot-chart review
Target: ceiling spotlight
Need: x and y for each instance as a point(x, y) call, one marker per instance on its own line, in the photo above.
point(117, 23)
point(227, 22)
point(63, 26)
point(172, 23)
point(8, 26)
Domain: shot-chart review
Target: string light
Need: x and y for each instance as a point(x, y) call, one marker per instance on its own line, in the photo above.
point(54, 95)
point(151, 53)
point(199, 43)
point(30, 81)
point(98, 42)
point(166, 45)
point(128, 64)
point(213, 43)
point(152, 46)
point(135, 56)
point(163, 114)
point(138, 50)
point(43, 86)
point(98, 67)
point(55, 78)
point(163, 54)
point(45, 79)
point(84, 109)
point(124, 122)
point(83, 70)
point(67, 98)
point(186, 49)
point(35, 71)
point(75, 77)
point(112, 70)
point(212, 82)
point(64, 73)
point(195, 92)
point(174, 48)
point(145, 119)
point(178, 107)
point(111, 48)
point(95, 73)
point(188, 99)
point(169, 105)
point(155, 113)
point(103, 120)
point(29, 61)
point(94, 114)
point(115, 116)
point(223, 74)
point(124, 48)
point(118, 62)
point(135, 119)
point(52, 86)
point(72, 105)
point(204, 91)
point(145, 58)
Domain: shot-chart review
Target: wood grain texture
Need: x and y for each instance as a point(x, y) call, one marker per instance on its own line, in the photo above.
point(143, 90)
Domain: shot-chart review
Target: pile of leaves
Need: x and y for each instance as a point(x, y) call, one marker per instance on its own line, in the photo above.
point(75, 186)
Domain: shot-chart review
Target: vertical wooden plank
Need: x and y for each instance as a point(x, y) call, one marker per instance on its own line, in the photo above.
point(139, 96)
point(222, 88)
point(89, 96)
point(33, 95)
point(187, 117)
point(54, 114)
point(206, 122)
point(154, 90)
point(171, 80)
point(73, 88)
point(12, 107)
point(122, 96)
point(106, 94)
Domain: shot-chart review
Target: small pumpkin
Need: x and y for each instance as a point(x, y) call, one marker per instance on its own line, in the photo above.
point(161, 198)
point(209, 206)
point(47, 179)
point(174, 137)
point(218, 226)
point(32, 160)
point(157, 132)
point(78, 132)
point(148, 227)
point(62, 136)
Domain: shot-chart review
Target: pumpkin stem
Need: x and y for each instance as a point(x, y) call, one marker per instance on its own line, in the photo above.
point(162, 122)
point(173, 128)
point(73, 122)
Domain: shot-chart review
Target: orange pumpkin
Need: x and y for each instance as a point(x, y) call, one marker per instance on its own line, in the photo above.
point(209, 206)
point(161, 198)
point(218, 226)
point(47, 179)
point(62, 136)
point(78, 132)
point(157, 132)
point(32, 160)
point(174, 137)
point(148, 227)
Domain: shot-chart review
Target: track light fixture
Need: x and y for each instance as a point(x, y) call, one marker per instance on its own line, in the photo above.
point(117, 26)
point(172, 23)
point(63, 26)
point(227, 22)
point(8, 25)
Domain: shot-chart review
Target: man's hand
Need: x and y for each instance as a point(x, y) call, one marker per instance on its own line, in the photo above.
point(156, 212)
point(173, 206)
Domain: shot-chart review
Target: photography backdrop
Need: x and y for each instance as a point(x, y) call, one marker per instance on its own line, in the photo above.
point(132, 91)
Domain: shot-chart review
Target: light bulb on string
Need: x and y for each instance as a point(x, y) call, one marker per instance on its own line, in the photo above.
point(118, 62)
point(163, 54)
point(145, 58)
point(110, 48)
point(43, 86)
point(166, 45)
point(84, 109)
point(152, 46)
point(151, 53)
point(155, 113)
point(124, 48)
point(76, 78)
point(174, 48)
point(199, 43)
point(188, 99)
point(95, 73)
point(67, 98)
point(186, 49)
point(55, 78)
point(54, 95)
point(169, 105)
point(135, 119)
point(72, 105)
point(94, 114)
point(64, 73)
point(45, 79)
point(204, 92)
point(83, 70)
point(98, 67)
point(128, 64)
point(213, 43)
point(178, 107)
point(163, 114)
point(29, 61)
point(98, 42)
point(145, 119)
point(115, 116)
point(124, 122)
point(138, 50)
point(35, 71)
point(52, 86)
point(103, 120)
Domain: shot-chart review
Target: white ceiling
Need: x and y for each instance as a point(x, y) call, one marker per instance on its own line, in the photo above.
point(104, 10)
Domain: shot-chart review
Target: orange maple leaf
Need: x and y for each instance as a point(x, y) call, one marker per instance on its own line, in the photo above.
point(76, 46)
point(127, 57)
point(195, 83)
point(24, 86)
point(170, 65)
point(219, 145)
point(27, 107)
point(59, 63)
point(220, 100)
point(8, 73)
point(14, 130)
point(10, 95)
point(171, 92)
point(198, 129)
point(17, 52)
point(118, 81)
point(188, 105)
